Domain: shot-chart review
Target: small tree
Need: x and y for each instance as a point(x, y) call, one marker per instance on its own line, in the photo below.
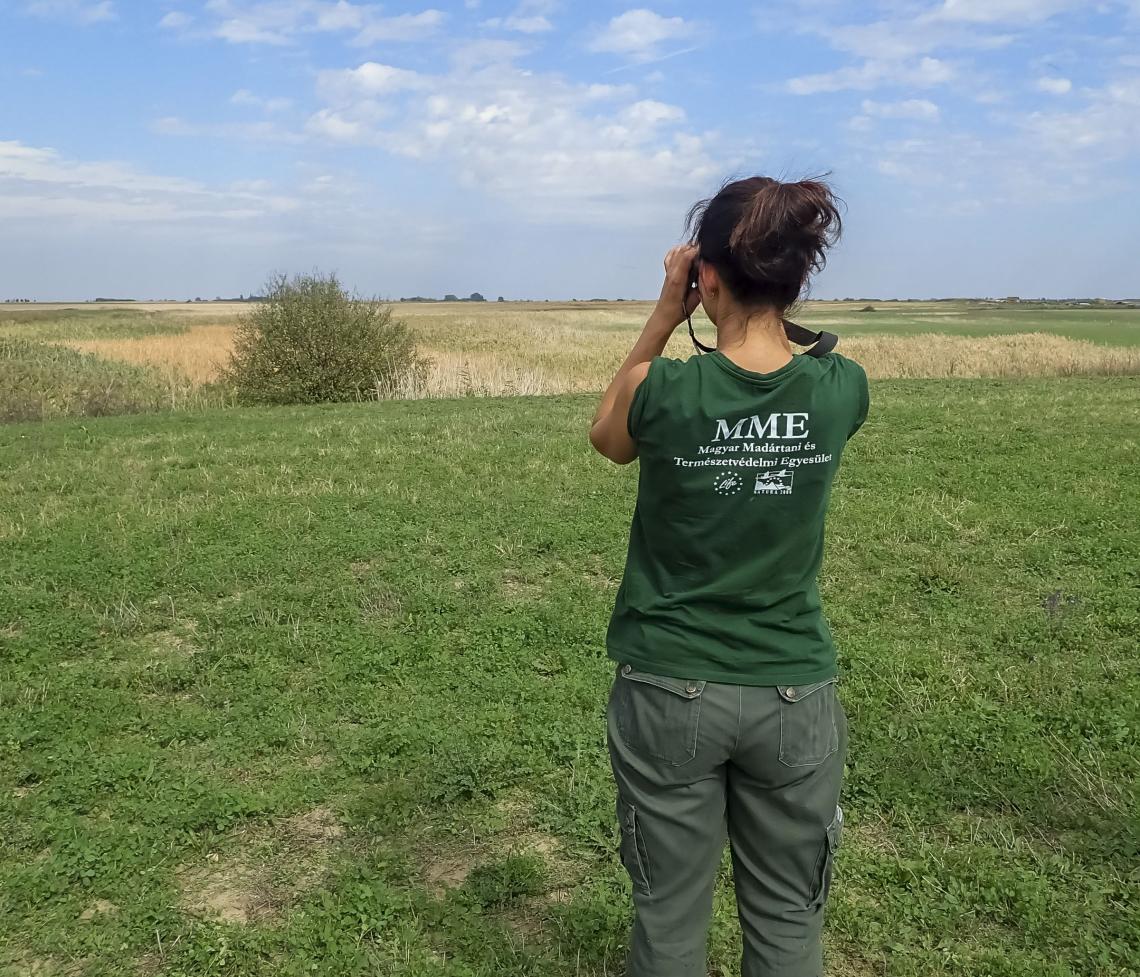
point(311, 342)
point(476, 297)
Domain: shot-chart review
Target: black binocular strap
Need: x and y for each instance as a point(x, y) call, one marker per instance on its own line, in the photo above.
point(818, 343)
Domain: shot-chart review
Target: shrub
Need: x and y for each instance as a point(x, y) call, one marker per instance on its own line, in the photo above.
point(38, 381)
point(311, 342)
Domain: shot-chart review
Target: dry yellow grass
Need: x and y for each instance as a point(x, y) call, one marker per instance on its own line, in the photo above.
point(196, 354)
point(547, 348)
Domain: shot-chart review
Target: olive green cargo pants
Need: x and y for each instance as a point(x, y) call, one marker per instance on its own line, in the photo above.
point(695, 761)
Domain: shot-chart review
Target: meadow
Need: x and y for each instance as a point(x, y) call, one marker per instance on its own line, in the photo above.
point(320, 690)
point(535, 348)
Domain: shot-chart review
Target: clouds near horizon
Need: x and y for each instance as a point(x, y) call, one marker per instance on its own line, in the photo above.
point(557, 127)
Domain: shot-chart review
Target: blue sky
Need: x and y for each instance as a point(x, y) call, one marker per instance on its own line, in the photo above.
point(536, 148)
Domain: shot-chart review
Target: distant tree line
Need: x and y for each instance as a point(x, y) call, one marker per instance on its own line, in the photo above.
point(473, 297)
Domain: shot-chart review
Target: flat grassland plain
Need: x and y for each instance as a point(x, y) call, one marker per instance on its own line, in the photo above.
point(492, 348)
point(321, 690)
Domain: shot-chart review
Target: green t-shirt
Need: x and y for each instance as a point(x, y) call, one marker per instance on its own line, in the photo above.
point(727, 536)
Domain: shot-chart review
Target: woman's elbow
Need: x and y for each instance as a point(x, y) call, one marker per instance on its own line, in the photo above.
point(619, 454)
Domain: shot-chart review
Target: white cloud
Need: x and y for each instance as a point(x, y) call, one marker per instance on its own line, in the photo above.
point(367, 81)
point(262, 131)
point(524, 25)
point(81, 12)
point(244, 96)
point(329, 124)
point(175, 20)
point(1108, 122)
point(1032, 160)
point(550, 147)
point(529, 17)
point(279, 22)
point(1018, 12)
point(406, 27)
point(1055, 86)
point(38, 183)
point(892, 40)
point(639, 34)
point(919, 109)
point(926, 73)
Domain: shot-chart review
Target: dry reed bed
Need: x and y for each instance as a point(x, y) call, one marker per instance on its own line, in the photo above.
point(562, 352)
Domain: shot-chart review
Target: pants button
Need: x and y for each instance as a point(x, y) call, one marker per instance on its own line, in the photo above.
point(791, 693)
point(626, 669)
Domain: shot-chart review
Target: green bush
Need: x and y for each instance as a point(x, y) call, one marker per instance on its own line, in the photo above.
point(311, 342)
point(38, 381)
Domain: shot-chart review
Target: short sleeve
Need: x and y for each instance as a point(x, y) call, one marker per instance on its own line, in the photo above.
point(637, 406)
point(863, 394)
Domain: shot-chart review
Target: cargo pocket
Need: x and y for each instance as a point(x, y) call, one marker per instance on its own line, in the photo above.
point(808, 734)
point(826, 864)
point(658, 716)
point(633, 854)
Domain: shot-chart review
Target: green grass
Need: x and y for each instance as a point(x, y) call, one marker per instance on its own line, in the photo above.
point(39, 381)
point(1111, 326)
point(338, 674)
point(59, 325)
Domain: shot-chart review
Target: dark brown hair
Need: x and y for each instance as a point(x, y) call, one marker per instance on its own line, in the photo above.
point(766, 238)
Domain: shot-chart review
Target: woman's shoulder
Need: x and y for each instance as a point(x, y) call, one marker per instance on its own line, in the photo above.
point(843, 368)
point(666, 368)
point(838, 361)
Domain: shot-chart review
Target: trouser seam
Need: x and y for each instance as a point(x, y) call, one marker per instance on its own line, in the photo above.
point(739, 717)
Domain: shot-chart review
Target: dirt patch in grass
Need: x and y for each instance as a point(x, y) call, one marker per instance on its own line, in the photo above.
point(171, 644)
point(265, 870)
point(20, 964)
point(512, 833)
point(518, 586)
point(875, 836)
point(100, 907)
point(444, 874)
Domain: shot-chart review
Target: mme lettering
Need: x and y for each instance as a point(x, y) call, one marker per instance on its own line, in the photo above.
point(793, 426)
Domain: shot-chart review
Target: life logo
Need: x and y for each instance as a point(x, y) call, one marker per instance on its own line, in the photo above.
point(774, 483)
point(728, 482)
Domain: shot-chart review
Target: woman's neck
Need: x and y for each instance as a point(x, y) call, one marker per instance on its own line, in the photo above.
point(754, 341)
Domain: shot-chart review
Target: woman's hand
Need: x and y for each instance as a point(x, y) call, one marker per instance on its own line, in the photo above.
point(677, 300)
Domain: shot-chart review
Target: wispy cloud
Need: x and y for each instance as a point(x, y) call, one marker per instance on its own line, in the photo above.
point(529, 17)
point(544, 145)
point(281, 22)
point(246, 98)
point(919, 109)
point(38, 183)
point(641, 34)
point(924, 73)
point(1055, 86)
point(176, 20)
point(80, 12)
point(262, 131)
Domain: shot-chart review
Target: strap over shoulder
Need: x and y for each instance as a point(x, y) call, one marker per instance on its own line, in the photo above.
point(819, 343)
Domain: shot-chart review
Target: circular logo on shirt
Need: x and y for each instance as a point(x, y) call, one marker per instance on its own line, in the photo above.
point(728, 482)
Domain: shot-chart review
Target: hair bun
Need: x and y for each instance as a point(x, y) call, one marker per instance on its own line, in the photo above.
point(767, 238)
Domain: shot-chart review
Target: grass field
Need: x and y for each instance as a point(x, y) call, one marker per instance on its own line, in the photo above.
point(548, 348)
point(321, 691)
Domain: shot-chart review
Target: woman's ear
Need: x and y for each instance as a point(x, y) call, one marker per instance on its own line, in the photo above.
point(710, 289)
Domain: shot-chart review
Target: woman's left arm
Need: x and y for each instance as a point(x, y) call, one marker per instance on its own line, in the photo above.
point(609, 432)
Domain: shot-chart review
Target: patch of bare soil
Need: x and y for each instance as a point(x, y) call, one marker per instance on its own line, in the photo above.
point(265, 871)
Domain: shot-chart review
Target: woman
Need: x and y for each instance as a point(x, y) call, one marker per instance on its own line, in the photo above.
point(723, 718)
